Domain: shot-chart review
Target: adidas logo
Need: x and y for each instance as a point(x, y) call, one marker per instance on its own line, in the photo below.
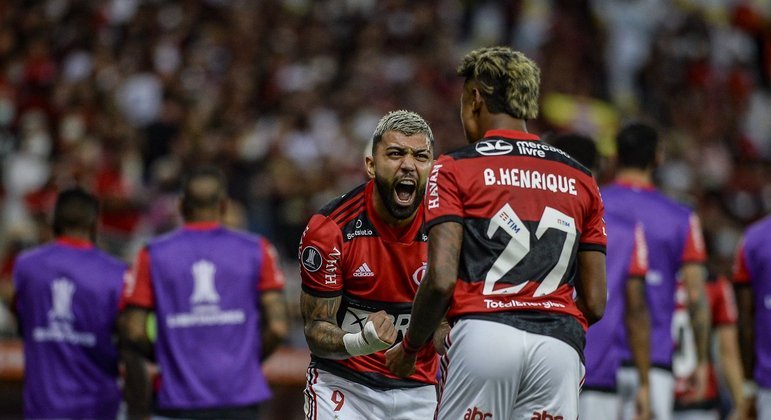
point(363, 271)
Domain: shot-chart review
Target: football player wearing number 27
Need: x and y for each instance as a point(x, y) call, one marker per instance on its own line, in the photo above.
point(362, 257)
point(515, 228)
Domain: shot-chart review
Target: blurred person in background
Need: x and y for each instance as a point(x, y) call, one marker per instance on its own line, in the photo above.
point(362, 258)
point(675, 245)
point(67, 295)
point(627, 264)
point(724, 360)
point(515, 232)
point(752, 279)
point(217, 296)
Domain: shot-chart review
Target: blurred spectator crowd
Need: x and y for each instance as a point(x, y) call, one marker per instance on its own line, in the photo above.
point(121, 96)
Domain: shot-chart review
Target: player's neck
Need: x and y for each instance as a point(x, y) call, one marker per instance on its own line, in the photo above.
point(502, 121)
point(634, 176)
point(203, 217)
point(76, 234)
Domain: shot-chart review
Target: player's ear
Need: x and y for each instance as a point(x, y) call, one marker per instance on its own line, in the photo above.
point(476, 100)
point(369, 163)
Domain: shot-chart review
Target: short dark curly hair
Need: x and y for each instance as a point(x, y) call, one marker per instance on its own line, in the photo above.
point(509, 80)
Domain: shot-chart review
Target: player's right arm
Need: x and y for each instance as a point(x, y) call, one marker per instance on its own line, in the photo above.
point(724, 317)
point(591, 282)
point(694, 274)
point(746, 317)
point(135, 344)
point(322, 288)
point(637, 320)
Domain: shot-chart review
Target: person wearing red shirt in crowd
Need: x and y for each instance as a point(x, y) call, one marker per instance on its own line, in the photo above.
point(515, 228)
point(362, 257)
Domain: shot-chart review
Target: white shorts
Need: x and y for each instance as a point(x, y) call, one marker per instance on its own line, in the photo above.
point(662, 386)
point(598, 405)
point(495, 371)
point(763, 403)
point(330, 397)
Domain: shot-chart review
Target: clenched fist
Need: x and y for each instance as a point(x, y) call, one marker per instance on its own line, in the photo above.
point(384, 327)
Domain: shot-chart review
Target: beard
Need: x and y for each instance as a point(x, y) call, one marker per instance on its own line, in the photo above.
point(386, 189)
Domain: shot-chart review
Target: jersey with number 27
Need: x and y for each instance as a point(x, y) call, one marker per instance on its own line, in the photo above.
point(527, 209)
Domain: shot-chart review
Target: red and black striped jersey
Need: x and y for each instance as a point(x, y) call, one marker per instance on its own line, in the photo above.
point(527, 209)
point(347, 250)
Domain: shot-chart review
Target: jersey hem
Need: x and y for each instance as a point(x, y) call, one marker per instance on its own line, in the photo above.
point(599, 388)
point(321, 294)
point(372, 380)
point(592, 247)
point(443, 219)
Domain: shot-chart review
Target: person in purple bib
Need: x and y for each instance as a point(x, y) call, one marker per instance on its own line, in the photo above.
point(66, 301)
point(675, 248)
point(752, 279)
point(627, 265)
point(217, 296)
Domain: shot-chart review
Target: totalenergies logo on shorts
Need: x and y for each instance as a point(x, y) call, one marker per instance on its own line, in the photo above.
point(476, 414)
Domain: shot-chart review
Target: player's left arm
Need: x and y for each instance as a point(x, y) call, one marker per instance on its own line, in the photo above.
point(136, 346)
point(275, 321)
point(694, 273)
point(591, 285)
point(725, 317)
point(135, 351)
point(273, 306)
point(433, 297)
point(591, 282)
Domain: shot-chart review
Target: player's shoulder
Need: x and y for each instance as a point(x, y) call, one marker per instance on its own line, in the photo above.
point(110, 261)
point(345, 207)
point(165, 238)
point(759, 230)
point(30, 257)
point(674, 207)
point(648, 197)
point(620, 221)
point(245, 237)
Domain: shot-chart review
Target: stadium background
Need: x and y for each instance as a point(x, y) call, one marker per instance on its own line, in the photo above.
point(122, 96)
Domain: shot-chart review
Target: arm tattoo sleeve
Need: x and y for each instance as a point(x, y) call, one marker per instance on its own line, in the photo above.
point(324, 336)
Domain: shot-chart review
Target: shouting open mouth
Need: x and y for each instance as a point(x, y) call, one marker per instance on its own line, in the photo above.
point(405, 192)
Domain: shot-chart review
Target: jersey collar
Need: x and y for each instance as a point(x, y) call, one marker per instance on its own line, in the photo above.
point(511, 134)
point(645, 186)
point(208, 225)
point(74, 242)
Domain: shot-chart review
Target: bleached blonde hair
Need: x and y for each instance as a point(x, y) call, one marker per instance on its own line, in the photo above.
point(509, 81)
point(406, 122)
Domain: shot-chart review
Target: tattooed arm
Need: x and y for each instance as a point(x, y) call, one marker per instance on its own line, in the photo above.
point(698, 307)
point(275, 323)
point(638, 326)
point(324, 337)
